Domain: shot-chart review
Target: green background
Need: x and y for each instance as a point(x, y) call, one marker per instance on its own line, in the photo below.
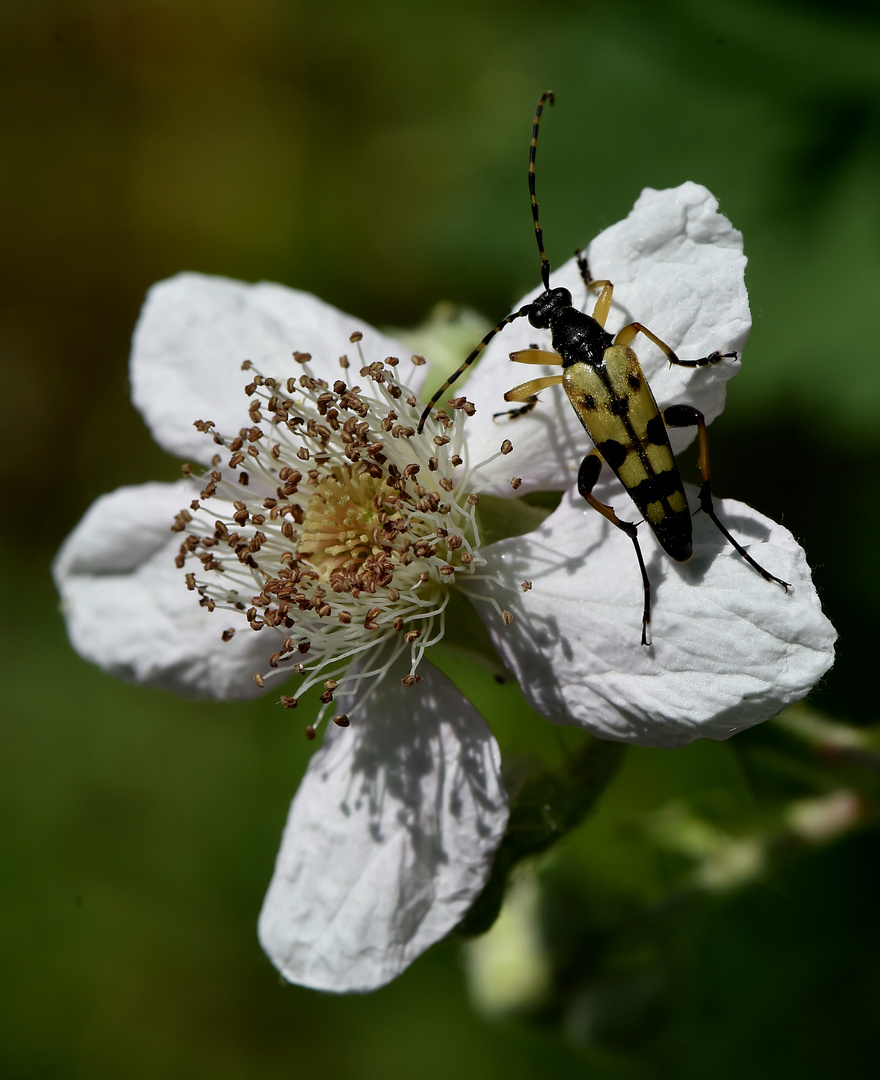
point(375, 154)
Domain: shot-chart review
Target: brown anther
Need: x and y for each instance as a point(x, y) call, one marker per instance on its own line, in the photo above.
point(525, 586)
point(412, 635)
point(228, 635)
point(259, 680)
point(341, 720)
point(506, 617)
point(302, 358)
point(190, 580)
point(506, 446)
point(516, 482)
point(181, 521)
point(356, 337)
point(411, 680)
point(310, 733)
point(419, 361)
point(186, 469)
point(455, 460)
point(246, 365)
point(288, 701)
point(473, 499)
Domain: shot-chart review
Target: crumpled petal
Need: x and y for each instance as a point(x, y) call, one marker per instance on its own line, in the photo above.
point(730, 649)
point(195, 331)
point(678, 268)
point(128, 610)
point(390, 838)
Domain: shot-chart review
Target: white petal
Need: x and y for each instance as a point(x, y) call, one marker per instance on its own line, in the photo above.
point(194, 332)
point(390, 838)
point(128, 609)
point(677, 266)
point(730, 649)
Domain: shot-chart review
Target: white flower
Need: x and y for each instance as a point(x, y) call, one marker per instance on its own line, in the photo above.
point(343, 545)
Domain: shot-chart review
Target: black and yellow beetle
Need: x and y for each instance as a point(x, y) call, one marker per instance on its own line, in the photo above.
point(607, 388)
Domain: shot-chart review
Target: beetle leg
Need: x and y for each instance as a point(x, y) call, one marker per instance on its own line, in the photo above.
point(536, 356)
point(588, 474)
point(687, 416)
point(603, 304)
point(628, 333)
point(523, 410)
point(528, 389)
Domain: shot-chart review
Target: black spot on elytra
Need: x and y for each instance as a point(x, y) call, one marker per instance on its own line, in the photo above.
point(588, 474)
point(613, 452)
point(589, 402)
point(656, 488)
point(634, 381)
point(619, 407)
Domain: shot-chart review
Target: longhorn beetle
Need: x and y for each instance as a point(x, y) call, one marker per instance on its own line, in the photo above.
point(609, 392)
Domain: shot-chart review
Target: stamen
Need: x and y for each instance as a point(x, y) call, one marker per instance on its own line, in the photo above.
point(346, 533)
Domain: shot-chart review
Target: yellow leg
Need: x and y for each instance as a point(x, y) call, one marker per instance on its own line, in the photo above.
point(628, 334)
point(534, 386)
point(687, 416)
point(536, 356)
point(603, 304)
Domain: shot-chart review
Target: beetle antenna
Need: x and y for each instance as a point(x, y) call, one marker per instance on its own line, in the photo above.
point(533, 146)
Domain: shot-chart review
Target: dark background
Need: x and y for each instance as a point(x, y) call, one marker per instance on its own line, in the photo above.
point(375, 154)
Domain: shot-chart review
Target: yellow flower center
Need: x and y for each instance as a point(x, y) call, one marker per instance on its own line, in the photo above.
point(342, 522)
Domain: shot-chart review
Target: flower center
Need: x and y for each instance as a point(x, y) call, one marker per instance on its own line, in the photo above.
point(334, 524)
point(340, 531)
